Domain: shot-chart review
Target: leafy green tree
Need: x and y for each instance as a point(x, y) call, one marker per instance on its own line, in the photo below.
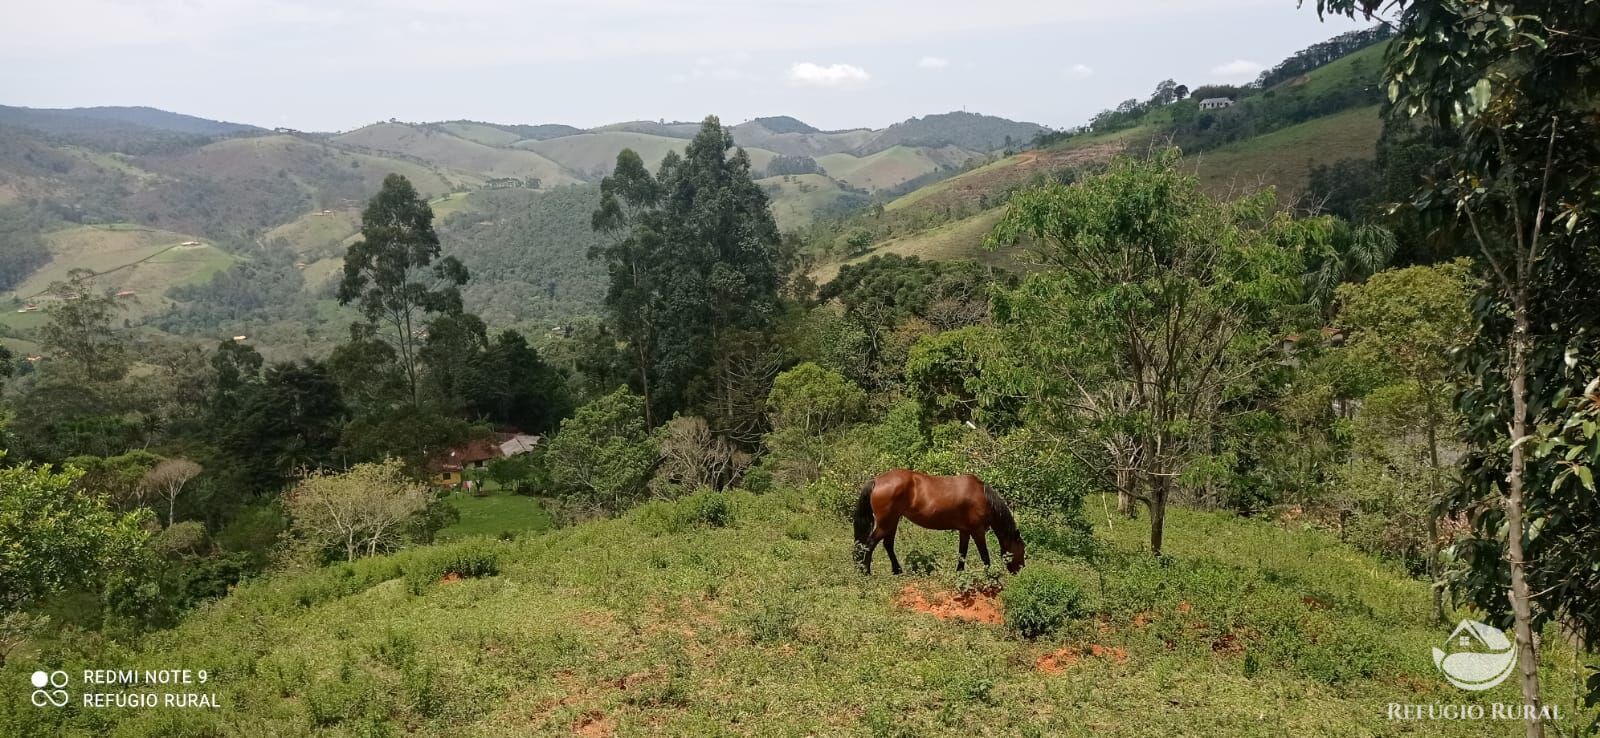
point(396, 277)
point(1411, 319)
point(604, 453)
point(695, 258)
point(1513, 82)
point(55, 538)
point(809, 405)
point(81, 336)
point(288, 421)
point(1156, 301)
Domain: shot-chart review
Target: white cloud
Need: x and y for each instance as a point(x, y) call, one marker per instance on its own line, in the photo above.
point(832, 75)
point(1238, 68)
point(1080, 71)
point(933, 62)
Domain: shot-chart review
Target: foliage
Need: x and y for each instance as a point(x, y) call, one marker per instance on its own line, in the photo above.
point(473, 558)
point(1039, 599)
point(361, 512)
point(604, 454)
point(694, 257)
point(56, 538)
point(392, 276)
point(1157, 302)
point(809, 405)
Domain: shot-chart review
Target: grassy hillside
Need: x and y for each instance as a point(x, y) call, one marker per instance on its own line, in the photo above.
point(798, 200)
point(960, 239)
point(443, 149)
point(125, 257)
point(1284, 158)
point(594, 155)
point(484, 133)
point(690, 619)
point(891, 167)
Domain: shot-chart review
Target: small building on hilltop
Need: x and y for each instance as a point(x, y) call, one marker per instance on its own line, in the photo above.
point(1216, 103)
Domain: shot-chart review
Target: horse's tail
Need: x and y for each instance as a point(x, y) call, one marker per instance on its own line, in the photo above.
point(865, 522)
point(1000, 519)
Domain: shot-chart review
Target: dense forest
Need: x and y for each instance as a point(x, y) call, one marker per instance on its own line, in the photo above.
point(1405, 369)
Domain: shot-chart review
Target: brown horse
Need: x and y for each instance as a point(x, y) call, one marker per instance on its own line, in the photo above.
point(961, 502)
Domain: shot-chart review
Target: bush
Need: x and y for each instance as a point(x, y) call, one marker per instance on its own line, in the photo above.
point(475, 558)
point(707, 508)
point(1040, 599)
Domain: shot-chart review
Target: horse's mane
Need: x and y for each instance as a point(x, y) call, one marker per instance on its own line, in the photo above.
point(1005, 526)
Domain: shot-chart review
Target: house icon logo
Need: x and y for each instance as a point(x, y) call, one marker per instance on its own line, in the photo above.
point(1479, 658)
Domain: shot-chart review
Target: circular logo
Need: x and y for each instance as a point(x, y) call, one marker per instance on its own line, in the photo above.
point(53, 697)
point(1481, 656)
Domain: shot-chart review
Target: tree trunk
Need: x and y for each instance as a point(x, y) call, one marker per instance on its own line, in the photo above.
point(1158, 512)
point(1521, 608)
point(1124, 484)
point(1433, 501)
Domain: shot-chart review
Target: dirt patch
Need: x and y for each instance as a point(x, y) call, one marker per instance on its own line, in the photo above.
point(981, 607)
point(451, 577)
point(593, 724)
point(1062, 659)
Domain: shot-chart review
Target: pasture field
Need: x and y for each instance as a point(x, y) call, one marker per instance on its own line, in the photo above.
point(743, 615)
point(147, 261)
point(457, 153)
point(961, 239)
point(1284, 158)
point(798, 200)
point(495, 514)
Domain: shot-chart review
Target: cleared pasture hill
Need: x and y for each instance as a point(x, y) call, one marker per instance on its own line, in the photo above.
point(146, 261)
point(318, 233)
point(594, 155)
point(891, 167)
point(800, 199)
point(1284, 158)
point(487, 134)
point(452, 152)
point(793, 138)
point(743, 615)
point(959, 239)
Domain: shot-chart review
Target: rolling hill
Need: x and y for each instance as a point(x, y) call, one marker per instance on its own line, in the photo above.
point(460, 154)
point(144, 262)
point(670, 621)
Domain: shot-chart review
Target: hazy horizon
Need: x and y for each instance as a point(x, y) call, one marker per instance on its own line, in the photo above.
point(834, 64)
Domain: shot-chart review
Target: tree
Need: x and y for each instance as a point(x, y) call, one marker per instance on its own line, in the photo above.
point(361, 512)
point(1513, 81)
point(1151, 313)
point(168, 478)
point(396, 277)
point(808, 405)
point(55, 539)
point(80, 334)
point(695, 257)
point(604, 454)
point(1411, 319)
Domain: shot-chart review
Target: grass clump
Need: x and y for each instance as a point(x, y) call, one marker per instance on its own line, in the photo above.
point(476, 558)
point(1040, 599)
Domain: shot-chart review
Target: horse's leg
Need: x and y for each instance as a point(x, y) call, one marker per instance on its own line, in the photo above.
point(983, 546)
point(961, 560)
point(888, 547)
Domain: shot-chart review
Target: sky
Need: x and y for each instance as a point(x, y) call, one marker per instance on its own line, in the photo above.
point(333, 65)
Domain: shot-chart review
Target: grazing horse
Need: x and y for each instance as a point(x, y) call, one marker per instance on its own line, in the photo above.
point(961, 502)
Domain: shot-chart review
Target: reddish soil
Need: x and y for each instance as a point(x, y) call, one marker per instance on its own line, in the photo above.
point(451, 577)
point(593, 724)
point(978, 608)
point(1060, 660)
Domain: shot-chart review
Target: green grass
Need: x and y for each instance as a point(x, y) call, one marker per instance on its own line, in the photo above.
point(671, 621)
point(460, 154)
point(148, 261)
point(798, 200)
point(494, 514)
point(1284, 158)
point(888, 168)
point(961, 239)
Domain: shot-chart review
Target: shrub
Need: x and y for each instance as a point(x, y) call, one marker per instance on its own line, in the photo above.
point(707, 508)
point(920, 563)
point(475, 558)
point(1040, 599)
point(774, 622)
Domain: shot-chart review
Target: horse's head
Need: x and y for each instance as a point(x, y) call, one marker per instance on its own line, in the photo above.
point(1014, 550)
